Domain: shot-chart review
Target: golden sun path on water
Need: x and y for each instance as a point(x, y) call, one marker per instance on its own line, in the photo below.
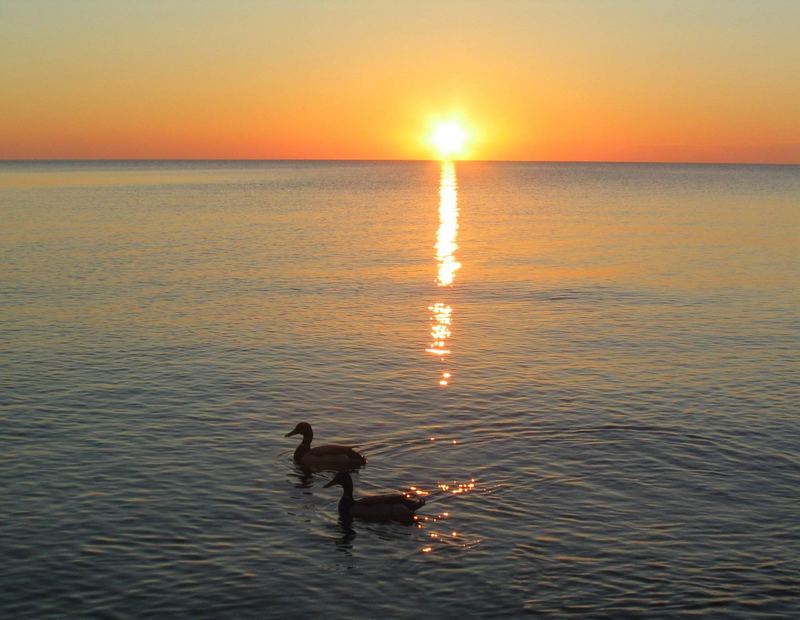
point(441, 319)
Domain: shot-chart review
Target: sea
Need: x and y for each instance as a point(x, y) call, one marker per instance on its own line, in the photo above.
point(589, 371)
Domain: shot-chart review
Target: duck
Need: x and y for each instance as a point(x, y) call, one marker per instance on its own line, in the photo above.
point(388, 507)
point(331, 457)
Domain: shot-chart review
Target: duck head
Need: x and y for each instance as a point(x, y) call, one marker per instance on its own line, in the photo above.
point(343, 478)
point(304, 429)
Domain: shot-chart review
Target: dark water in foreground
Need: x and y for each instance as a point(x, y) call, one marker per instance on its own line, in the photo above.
point(622, 387)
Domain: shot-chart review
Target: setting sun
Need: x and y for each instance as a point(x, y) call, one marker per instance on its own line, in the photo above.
point(449, 139)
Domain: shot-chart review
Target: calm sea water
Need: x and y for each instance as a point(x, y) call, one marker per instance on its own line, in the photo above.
point(591, 369)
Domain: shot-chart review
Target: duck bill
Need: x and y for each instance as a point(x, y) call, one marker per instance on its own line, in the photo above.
point(289, 434)
point(330, 484)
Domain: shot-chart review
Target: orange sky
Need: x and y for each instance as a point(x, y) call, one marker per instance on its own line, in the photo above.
point(613, 81)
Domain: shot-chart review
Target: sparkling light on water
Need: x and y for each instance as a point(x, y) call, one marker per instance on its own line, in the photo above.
point(446, 246)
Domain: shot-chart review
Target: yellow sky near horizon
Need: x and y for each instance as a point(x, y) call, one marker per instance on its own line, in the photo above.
point(575, 81)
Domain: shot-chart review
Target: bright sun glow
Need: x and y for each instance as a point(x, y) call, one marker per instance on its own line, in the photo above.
point(449, 138)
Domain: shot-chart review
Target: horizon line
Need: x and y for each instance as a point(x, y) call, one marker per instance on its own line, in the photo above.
point(373, 160)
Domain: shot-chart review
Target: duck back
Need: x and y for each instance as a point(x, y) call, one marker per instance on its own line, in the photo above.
point(388, 507)
point(330, 457)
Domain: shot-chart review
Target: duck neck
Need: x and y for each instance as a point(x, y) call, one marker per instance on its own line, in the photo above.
point(304, 446)
point(347, 489)
point(301, 450)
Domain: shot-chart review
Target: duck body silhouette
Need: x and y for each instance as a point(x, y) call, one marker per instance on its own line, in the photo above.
point(330, 457)
point(387, 507)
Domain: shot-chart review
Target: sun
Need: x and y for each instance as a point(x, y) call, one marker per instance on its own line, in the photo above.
point(449, 138)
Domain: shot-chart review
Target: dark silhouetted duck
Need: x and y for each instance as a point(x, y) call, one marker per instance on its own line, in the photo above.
point(389, 507)
point(336, 458)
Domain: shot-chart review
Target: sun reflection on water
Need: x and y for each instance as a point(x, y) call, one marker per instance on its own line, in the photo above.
point(448, 226)
point(441, 319)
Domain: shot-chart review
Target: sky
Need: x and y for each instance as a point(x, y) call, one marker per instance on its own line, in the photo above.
point(639, 80)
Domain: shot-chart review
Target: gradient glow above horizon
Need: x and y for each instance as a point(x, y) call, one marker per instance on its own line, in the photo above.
point(555, 81)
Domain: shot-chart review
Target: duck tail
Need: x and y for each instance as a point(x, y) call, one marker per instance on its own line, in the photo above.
point(415, 503)
point(358, 459)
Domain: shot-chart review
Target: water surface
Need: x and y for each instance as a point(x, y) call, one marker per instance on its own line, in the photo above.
point(592, 369)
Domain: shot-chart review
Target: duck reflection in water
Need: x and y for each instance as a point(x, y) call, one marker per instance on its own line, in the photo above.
point(388, 507)
point(323, 458)
point(345, 543)
point(305, 479)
